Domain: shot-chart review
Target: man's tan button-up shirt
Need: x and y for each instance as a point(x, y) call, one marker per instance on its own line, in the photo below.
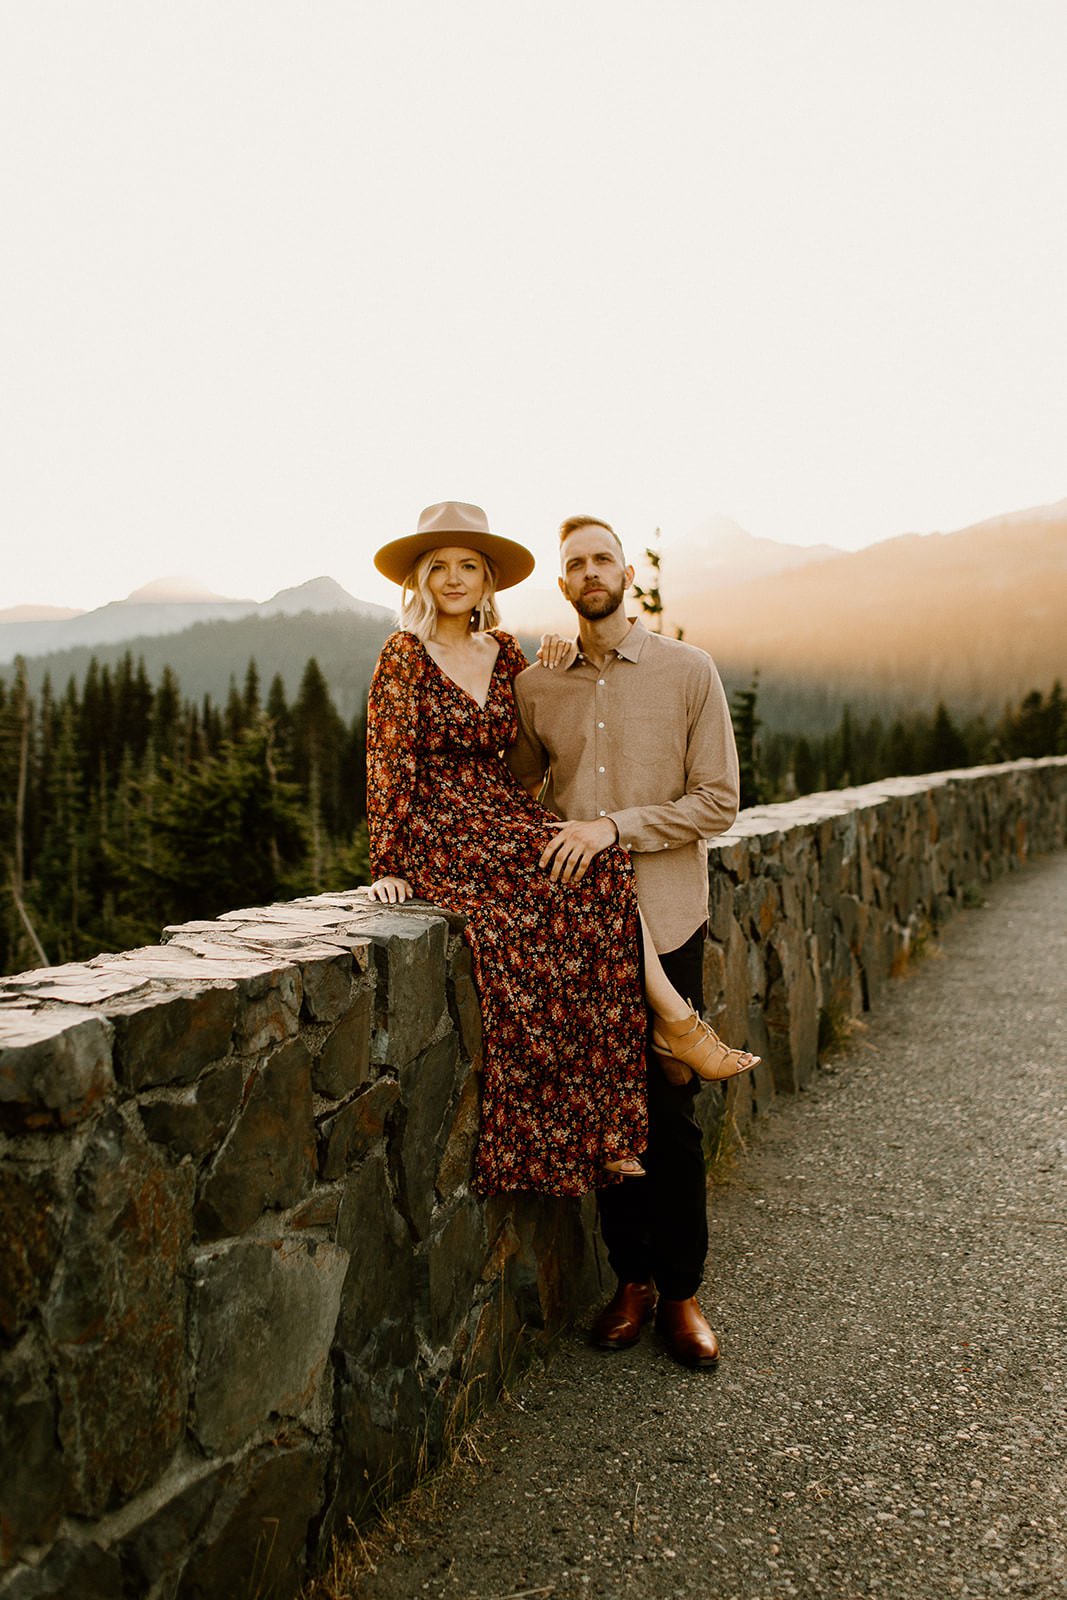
point(647, 741)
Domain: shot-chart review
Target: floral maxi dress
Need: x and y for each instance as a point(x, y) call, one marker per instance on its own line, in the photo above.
point(556, 966)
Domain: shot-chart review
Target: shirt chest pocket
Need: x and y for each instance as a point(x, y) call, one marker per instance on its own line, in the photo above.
point(653, 738)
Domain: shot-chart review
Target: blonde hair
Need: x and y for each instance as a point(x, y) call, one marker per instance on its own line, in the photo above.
point(418, 609)
point(571, 525)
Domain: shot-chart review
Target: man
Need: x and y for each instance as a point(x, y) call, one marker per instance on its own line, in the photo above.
point(637, 739)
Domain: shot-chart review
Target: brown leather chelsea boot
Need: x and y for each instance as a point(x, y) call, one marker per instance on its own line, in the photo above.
point(686, 1333)
point(619, 1324)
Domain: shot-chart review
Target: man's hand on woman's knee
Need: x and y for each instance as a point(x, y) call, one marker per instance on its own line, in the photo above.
point(570, 853)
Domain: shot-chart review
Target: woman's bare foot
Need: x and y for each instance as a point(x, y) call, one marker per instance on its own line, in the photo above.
point(625, 1166)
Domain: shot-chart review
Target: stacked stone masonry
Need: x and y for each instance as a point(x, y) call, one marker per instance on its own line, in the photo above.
point(245, 1291)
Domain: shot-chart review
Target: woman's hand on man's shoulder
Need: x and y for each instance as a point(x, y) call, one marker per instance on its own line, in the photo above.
point(554, 651)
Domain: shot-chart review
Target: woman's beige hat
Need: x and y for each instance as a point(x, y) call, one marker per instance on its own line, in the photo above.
point(453, 522)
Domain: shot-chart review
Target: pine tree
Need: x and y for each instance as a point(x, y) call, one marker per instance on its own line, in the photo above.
point(280, 719)
point(945, 748)
point(350, 865)
point(901, 758)
point(746, 724)
point(47, 721)
point(58, 868)
point(166, 719)
point(17, 738)
point(92, 733)
point(211, 726)
point(354, 768)
point(651, 599)
point(250, 698)
point(225, 834)
point(805, 767)
point(234, 719)
point(277, 705)
point(132, 711)
point(318, 745)
point(844, 753)
point(1056, 721)
point(1038, 728)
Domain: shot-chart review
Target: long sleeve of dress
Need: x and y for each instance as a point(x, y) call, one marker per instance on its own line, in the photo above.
point(392, 729)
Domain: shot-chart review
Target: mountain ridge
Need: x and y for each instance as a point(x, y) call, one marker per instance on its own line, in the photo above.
point(135, 618)
point(719, 547)
point(975, 615)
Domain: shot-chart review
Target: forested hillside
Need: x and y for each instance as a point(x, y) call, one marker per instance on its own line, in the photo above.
point(977, 617)
point(205, 657)
point(126, 803)
point(124, 806)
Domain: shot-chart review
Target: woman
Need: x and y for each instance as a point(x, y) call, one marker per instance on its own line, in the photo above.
point(557, 965)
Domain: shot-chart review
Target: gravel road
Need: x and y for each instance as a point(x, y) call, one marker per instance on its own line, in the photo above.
point(887, 1279)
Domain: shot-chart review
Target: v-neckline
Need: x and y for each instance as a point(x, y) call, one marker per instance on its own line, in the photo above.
point(481, 704)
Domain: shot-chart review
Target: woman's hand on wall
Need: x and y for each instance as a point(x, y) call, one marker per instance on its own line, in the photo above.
point(391, 890)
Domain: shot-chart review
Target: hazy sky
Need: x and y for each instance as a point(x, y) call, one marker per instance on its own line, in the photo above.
point(274, 276)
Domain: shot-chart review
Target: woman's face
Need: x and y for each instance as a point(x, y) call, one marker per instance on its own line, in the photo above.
point(456, 580)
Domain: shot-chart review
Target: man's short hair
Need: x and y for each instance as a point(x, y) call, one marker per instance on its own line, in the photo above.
point(571, 525)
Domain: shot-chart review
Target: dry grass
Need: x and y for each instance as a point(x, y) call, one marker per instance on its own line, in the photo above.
point(729, 1143)
point(837, 1027)
point(395, 1525)
point(398, 1522)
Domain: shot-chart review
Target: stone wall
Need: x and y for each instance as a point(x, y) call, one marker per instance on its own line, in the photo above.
point(244, 1288)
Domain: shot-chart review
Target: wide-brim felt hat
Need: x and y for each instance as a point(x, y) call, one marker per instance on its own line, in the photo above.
point(457, 524)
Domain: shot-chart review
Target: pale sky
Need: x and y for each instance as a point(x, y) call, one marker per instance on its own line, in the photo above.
point(275, 276)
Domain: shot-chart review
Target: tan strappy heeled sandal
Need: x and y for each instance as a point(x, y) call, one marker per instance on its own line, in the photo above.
point(698, 1047)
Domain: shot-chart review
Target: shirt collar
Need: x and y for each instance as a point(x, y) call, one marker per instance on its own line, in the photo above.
point(629, 647)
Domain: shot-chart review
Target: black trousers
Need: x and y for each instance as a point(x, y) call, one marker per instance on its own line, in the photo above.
point(657, 1226)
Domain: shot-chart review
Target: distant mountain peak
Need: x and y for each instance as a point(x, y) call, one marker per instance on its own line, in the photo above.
point(317, 594)
point(173, 591)
point(314, 590)
point(39, 614)
point(721, 550)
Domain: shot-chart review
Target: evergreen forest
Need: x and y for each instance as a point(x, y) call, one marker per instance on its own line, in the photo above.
point(125, 806)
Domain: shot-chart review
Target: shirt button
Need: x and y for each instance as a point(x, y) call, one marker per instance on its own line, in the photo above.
point(601, 682)
point(602, 769)
point(603, 813)
point(664, 847)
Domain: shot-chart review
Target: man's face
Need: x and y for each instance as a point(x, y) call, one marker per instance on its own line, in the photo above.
point(594, 575)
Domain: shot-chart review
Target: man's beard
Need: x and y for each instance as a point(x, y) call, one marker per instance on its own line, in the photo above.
point(601, 604)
